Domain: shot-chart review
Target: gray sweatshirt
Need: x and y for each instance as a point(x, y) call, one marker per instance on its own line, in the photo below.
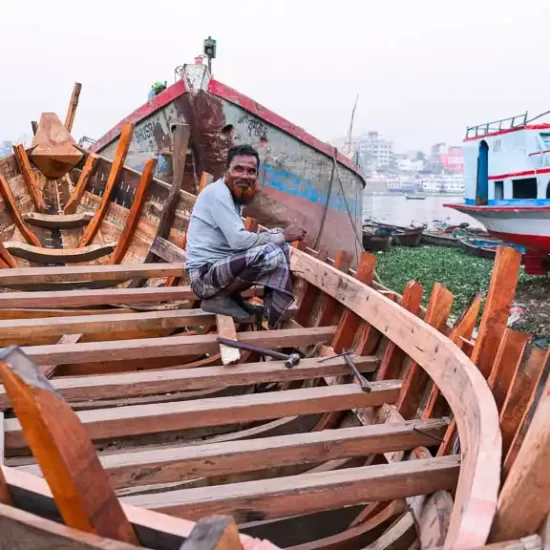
point(216, 229)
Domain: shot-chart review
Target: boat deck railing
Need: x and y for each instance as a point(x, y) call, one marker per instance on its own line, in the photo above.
point(497, 125)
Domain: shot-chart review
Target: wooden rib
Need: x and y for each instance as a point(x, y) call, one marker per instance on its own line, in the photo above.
point(157, 418)
point(390, 366)
point(214, 533)
point(66, 456)
point(29, 177)
point(206, 179)
point(71, 111)
point(114, 175)
point(7, 259)
point(226, 329)
point(172, 346)
point(523, 501)
point(135, 211)
point(309, 297)
point(464, 327)
point(414, 383)
point(80, 188)
point(49, 370)
point(11, 206)
point(87, 273)
point(467, 393)
point(502, 289)
point(151, 382)
point(350, 322)
point(307, 493)
point(40, 254)
point(506, 365)
point(329, 307)
point(520, 395)
point(58, 221)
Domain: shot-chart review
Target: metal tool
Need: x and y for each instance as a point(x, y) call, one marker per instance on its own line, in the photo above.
point(364, 383)
point(290, 360)
point(334, 356)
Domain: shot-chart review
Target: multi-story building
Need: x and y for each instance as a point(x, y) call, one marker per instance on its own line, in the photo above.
point(447, 159)
point(374, 152)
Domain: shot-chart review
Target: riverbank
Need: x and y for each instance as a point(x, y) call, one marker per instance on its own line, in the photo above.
point(465, 275)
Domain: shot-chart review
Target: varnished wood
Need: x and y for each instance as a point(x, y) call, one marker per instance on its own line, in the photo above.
point(29, 177)
point(71, 110)
point(114, 175)
point(136, 209)
point(66, 457)
point(80, 188)
point(13, 209)
point(42, 255)
point(58, 221)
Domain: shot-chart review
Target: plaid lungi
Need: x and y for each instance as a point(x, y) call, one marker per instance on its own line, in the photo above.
point(266, 265)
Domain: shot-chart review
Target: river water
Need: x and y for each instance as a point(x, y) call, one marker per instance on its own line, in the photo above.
point(396, 209)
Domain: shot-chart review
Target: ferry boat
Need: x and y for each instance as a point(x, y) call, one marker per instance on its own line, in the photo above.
point(507, 184)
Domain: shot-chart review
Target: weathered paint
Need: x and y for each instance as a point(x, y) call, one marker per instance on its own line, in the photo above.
point(295, 168)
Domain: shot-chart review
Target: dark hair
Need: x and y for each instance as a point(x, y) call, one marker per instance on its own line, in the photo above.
point(242, 150)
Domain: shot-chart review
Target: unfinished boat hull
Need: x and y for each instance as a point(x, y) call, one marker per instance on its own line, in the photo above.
point(304, 181)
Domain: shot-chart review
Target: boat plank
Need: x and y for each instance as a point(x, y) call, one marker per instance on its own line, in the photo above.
point(166, 417)
point(48, 370)
point(80, 188)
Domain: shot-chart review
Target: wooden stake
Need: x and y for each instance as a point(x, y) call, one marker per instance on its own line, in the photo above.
point(214, 533)
point(226, 329)
point(73, 202)
point(135, 211)
point(71, 111)
point(11, 205)
point(63, 451)
point(116, 169)
point(29, 177)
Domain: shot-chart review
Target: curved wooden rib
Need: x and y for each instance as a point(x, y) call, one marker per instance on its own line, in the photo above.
point(58, 221)
point(460, 382)
point(58, 255)
point(70, 207)
point(29, 177)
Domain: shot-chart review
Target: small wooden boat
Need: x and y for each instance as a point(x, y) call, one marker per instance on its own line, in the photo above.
point(415, 197)
point(373, 241)
point(440, 238)
point(483, 248)
point(402, 235)
point(112, 438)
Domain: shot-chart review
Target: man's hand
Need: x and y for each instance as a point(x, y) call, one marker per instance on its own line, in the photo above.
point(294, 233)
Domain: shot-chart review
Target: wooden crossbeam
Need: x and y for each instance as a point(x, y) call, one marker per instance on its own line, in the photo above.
point(308, 493)
point(111, 322)
point(168, 417)
point(13, 209)
point(66, 456)
point(80, 188)
point(143, 383)
point(147, 467)
point(58, 221)
point(29, 177)
point(114, 175)
point(40, 254)
point(171, 346)
point(86, 273)
point(135, 210)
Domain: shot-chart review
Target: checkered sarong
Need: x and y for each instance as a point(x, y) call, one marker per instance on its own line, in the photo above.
point(266, 265)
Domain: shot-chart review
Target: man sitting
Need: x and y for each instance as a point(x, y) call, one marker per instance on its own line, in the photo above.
point(223, 259)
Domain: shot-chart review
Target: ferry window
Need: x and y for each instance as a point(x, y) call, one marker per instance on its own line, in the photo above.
point(525, 188)
point(548, 190)
point(546, 138)
point(499, 190)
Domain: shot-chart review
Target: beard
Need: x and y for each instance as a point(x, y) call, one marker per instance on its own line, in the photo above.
point(242, 190)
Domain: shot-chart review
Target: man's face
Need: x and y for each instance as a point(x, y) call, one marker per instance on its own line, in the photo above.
point(241, 176)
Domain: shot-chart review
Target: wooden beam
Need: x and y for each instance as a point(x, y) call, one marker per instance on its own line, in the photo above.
point(168, 251)
point(172, 346)
point(135, 211)
point(214, 533)
point(29, 177)
point(86, 273)
point(500, 296)
point(329, 307)
point(226, 329)
point(416, 379)
point(48, 370)
point(13, 209)
point(466, 392)
point(524, 501)
point(58, 221)
point(114, 175)
point(152, 382)
point(506, 365)
point(390, 366)
point(87, 171)
point(308, 493)
point(521, 394)
point(70, 464)
point(40, 254)
point(168, 417)
point(71, 111)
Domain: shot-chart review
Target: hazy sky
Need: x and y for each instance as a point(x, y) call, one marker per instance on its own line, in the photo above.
point(423, 69)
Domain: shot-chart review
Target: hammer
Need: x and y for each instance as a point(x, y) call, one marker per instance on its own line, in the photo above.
point(290, 360)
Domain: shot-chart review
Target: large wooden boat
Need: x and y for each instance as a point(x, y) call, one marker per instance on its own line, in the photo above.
point(126, 419)
point(303, 180)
